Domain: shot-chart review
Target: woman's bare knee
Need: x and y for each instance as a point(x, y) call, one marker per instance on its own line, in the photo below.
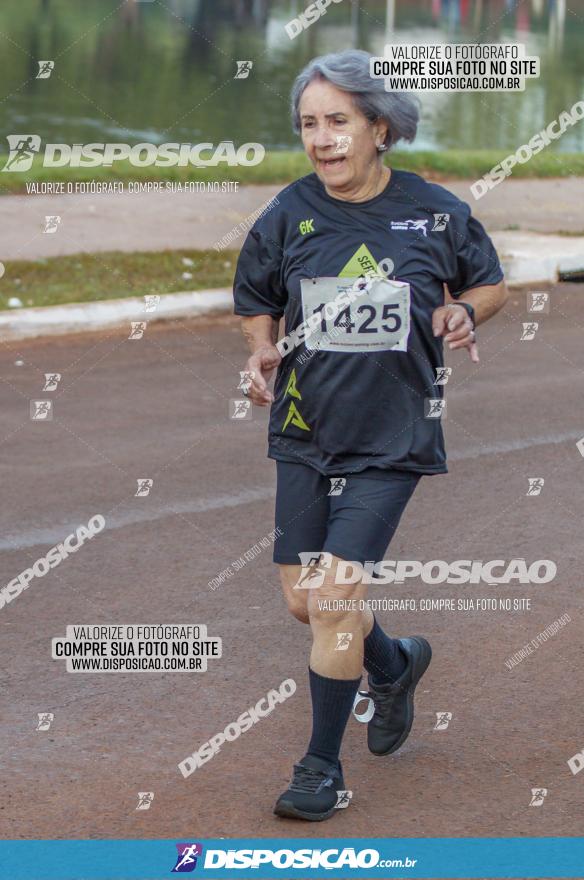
point(334, 603)
point(298, 610)
point(296, 600)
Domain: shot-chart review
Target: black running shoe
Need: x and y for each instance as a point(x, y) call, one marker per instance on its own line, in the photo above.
point(312, 794)
point(394, 703)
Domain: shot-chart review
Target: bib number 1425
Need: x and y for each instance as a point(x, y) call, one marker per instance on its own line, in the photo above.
point(377, 320)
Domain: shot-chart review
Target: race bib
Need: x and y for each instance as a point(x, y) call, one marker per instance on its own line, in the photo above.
point(356, 314)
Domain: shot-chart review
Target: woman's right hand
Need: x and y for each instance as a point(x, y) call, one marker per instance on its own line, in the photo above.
point(261, 365)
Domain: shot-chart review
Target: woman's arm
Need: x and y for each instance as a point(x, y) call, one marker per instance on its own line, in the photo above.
point(261, 334)
point(486, 301)
point(259, 331)
point(455, 324)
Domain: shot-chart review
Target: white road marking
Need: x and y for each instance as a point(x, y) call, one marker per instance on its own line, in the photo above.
point(119, 520)
point(506, 446)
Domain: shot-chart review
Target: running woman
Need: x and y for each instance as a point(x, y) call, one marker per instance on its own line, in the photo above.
point(354, 419)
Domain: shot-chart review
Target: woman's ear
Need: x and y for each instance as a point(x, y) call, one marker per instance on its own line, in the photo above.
point(380, 132)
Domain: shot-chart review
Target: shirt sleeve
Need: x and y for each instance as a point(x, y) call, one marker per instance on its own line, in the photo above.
point(476, 262)
point(258, 288)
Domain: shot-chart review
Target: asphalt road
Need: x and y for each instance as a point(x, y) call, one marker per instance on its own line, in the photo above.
point(158, 408)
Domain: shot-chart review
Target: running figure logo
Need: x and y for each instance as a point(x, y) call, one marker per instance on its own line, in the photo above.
point(144, 486)
point(538, 796)
point(343, 143)
point(45, 69)
point(41, 410)
point(22, 151)
point(246, 377)
point(151, 301)
point(443, 719)
point(240, 409)
point(314, 566)
point(186, 861)
point(343, 641)
point(337, 485)
point(145, 799)
point(538, 301)
point(51, 381)
point(529, 331)
point(443, 374)
point(45, 720)
point(343, 800)
point(52, 222)
point(440, 222)
point(137, 330)
point(411, 225)
point(535, 485)
point(243, 69)
point(435, 407)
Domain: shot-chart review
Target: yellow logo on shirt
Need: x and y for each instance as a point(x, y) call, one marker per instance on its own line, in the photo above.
point(306, 226)
point(361, 263)
point(291, 388)
point(294, 417)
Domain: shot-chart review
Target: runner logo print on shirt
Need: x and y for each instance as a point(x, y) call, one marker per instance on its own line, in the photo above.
point(412, 225)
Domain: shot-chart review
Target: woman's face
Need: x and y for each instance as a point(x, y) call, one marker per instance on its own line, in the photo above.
point(338, 139)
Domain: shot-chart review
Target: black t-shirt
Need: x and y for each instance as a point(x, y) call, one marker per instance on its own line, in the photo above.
point(363, 400)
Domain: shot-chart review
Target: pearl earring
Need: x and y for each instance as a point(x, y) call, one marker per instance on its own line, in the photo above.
point(381, 148)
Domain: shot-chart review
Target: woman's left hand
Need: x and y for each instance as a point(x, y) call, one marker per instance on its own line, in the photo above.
point(454, 324)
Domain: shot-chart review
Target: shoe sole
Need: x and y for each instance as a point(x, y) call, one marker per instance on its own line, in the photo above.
point(287, 810)
point(422, 663)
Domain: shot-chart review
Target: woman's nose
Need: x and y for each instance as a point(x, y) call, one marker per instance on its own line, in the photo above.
point(323, 138)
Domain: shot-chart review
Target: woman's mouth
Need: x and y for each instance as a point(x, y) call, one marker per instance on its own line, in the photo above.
point(335, 162)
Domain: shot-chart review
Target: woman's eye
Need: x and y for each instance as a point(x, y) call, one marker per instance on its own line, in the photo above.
point(340, 121)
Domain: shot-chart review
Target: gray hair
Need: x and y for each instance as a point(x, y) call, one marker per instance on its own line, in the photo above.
point(349, 71)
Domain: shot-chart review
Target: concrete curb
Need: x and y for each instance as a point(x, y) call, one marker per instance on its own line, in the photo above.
point(531, 258)
point(527, 258)
point(80, 317)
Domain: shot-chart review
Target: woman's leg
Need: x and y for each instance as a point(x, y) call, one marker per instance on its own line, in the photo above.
point(336, 663)
point(362, 522)
point(361, 525)
point(302, 509)
point(336, 619)
point(334, 609)
point(336, 660)
point(295, 599)
point(383, 659)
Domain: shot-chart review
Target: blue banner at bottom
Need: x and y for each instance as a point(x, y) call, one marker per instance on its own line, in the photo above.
point(514, 857)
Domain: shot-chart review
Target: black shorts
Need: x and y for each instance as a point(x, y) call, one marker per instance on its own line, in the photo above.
point(354, 521)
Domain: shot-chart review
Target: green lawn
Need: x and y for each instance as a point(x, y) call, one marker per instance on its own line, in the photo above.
point(282, 167)
point(111, 275)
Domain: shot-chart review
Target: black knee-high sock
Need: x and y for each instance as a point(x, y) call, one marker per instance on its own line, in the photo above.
point(332, 701)
point(384, 660)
